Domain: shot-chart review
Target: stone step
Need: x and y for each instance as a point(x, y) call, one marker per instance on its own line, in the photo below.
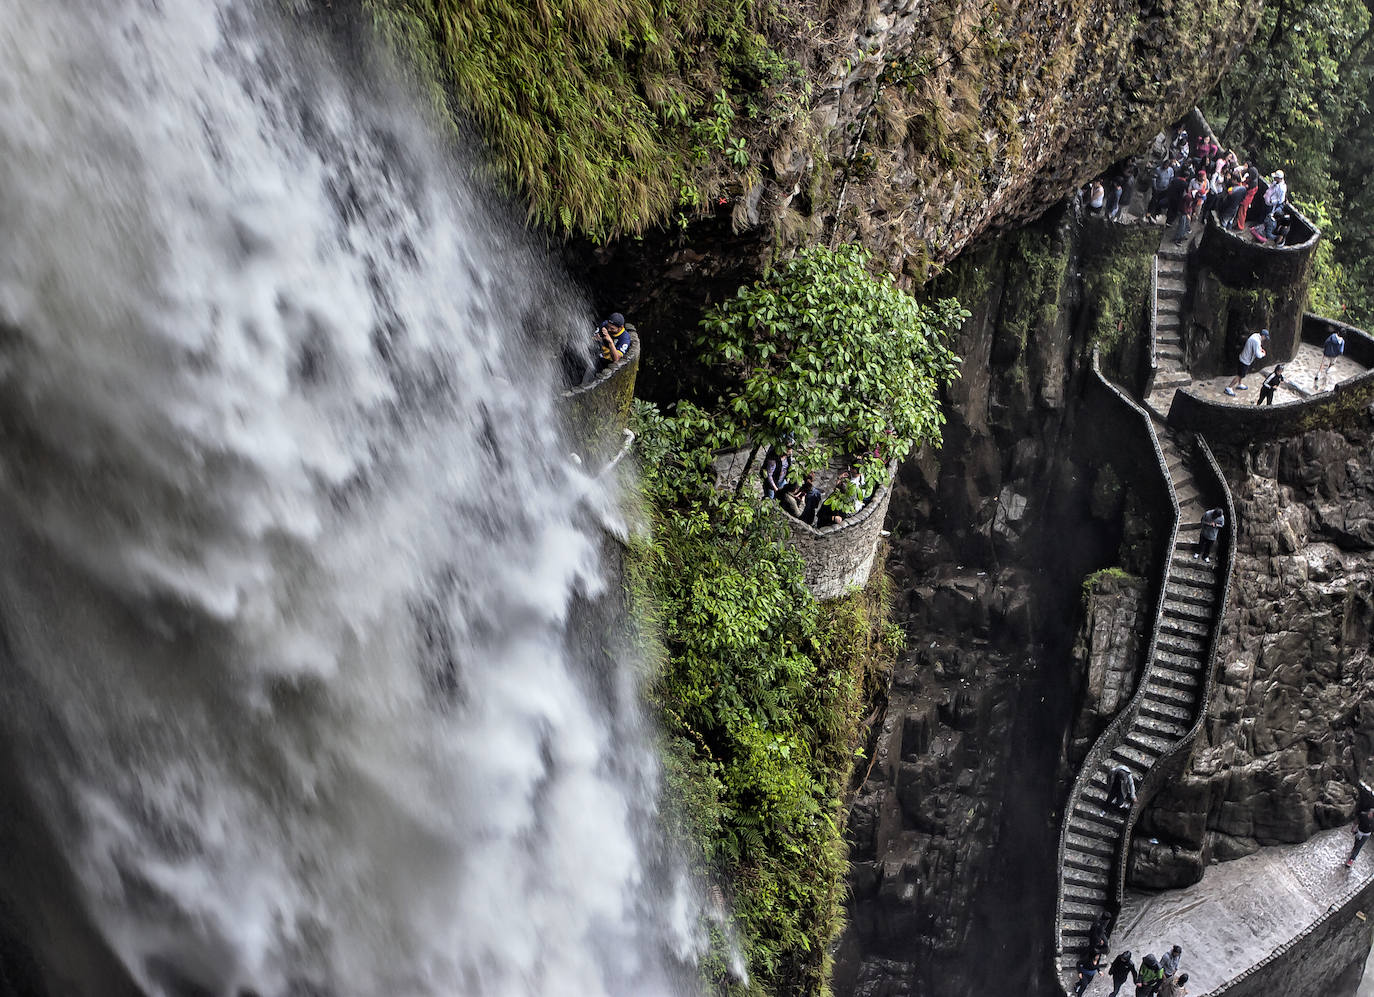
point(1086, 828)
point(1141, 759)
point(1094, 794)
point(1168, 321)
point(1088, 863)
point(1149, 741)
point(1099, 818)
point(1184, 681)
point(1192, 569)
point(1164, 710)
point(1186, 610)
point(1186, 490)
point(1159, 692)
point(1168, 379)
point(1075, 932)
point(1089, 846)
point(1170, 354)
point(1093, 896)
point(1084, 883)
point(1078, 910)
point(1178, 662)
point(1171, 288)
point(1186, 590)
point(1186, 628)
point(1181, 645)
point(1168, 251)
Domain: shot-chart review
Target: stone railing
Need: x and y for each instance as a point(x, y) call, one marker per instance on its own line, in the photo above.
point(1242, 263)
point(1260, 423)
point(1210, 481)
point(1154, 478)
point(839, 558)
point(598, 412)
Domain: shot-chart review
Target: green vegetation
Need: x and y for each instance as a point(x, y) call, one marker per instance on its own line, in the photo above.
point(822, 347)
point(761, 691)
point(1298, 100)
point(606, 117)
point(1104, 577)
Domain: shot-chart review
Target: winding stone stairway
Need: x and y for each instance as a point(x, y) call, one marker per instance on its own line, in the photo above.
point(1171, 263)
point(1161, 719)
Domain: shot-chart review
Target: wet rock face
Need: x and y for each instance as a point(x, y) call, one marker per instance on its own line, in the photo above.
point(1291, 720)
point(1107, 653)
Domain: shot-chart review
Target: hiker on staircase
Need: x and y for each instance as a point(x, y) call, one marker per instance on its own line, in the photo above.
point(1212, 522)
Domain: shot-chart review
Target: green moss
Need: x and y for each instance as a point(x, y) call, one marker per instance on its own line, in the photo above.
point(1116, 283)
point(605, 117)
point(1107, 579)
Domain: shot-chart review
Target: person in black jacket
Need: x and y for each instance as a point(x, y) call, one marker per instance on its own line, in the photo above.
point(1121, 970)
point(1271, 383)
point(1087, 969)
point(1364, 827)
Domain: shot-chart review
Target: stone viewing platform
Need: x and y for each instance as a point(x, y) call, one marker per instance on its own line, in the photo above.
point(598, 412)
point(1263, 923)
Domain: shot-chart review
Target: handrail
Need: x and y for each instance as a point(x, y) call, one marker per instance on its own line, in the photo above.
point(1115, 732)
point(1154, 314)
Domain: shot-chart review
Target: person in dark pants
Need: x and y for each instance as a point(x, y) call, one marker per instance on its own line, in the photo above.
point(1121, 970)
point(1122, 793)
point(1149, 978)
point(1087, 969)
point(1275, 378)
point(1100, 932)
point(1364, 827)
point(1212, 521)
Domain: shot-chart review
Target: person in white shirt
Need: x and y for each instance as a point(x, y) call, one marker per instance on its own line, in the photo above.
point(1256, 348)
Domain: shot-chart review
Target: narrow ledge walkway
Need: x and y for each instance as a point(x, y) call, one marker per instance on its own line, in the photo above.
point(1243, 910)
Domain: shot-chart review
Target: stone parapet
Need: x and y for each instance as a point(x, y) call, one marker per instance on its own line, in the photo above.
point(1241, 263)
point(839, 558)
point(598, 412)
point(1225, 423)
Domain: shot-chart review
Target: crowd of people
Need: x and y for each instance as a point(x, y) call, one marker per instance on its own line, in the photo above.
point(1191, 177)
point(804, 499)
point(1155, 976)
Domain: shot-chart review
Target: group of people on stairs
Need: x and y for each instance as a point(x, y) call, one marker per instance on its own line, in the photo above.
point(1156, 976)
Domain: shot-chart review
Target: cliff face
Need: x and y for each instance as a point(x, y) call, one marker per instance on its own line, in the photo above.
point(924, 126)
point(1291, 725)
point(954, 832)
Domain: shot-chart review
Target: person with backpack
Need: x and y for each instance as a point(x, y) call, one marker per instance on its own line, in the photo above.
point(1174, 987)
point(1331, 351)
point(1159, 187)
point(1121, 970)
point(1194, 196)
point(1149, 978)
point(1364, 827)
point(1270, 385)
point(1122, 792)
point(1212, 522)
point(1087, 969)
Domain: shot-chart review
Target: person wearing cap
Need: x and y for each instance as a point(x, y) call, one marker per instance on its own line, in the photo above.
point(1277, 192)
point(1331, 351)
point(613, 340)
point(1256, 347)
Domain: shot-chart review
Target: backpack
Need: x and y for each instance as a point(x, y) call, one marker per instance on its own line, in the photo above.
point(1149, 970)
point(1334, 346)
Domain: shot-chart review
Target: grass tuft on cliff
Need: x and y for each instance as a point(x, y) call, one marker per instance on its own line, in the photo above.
point(605, 116)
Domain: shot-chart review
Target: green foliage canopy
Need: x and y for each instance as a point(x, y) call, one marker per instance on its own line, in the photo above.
point(823, 347)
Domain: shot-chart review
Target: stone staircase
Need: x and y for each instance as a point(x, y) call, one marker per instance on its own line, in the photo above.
point(1160, 719)
point(1171, 372)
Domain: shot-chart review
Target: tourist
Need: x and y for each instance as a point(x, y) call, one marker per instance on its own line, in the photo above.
point(1230, 204)
point(1190, 205)
point(1097, 198)
point(1277, 194)
point(1128, 182)
point(1168, 963)
point(1121, 970)
point(1251, 189)
point(775, 467)
point(613, 339)
point(1174, 988)
point(1101, 932)
point(1122, 792)
point(790, 498)
point(1256, 348)
point(1114, 199)
point(845, 500)
point(1159, 186)
point(1364, 826)
point(1331, 349)
point(811, 497)
point(1149, 978)
point(1173, 197)
point(1275, 378)
point(1212, 522)
point(1275, 227)
point(1087, 969)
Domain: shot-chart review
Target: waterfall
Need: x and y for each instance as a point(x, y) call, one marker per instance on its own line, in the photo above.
point(300, 640)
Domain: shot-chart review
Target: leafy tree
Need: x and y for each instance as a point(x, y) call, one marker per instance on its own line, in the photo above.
point(822, 347)
point(1298, 99)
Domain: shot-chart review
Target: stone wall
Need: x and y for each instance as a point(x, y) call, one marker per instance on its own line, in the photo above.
point(1325, 960)
point(598, 413)
point(1241, 424)
point(839, 558)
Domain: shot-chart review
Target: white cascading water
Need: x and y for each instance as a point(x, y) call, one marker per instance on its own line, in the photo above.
point(291, 546)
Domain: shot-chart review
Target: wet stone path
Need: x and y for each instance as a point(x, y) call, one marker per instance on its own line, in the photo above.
point(1243, 909)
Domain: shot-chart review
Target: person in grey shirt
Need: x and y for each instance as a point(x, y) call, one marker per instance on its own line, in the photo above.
point(1168, 963)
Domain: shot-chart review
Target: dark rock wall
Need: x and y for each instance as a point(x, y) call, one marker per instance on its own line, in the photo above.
point(1291, 725)
point(954, 831)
